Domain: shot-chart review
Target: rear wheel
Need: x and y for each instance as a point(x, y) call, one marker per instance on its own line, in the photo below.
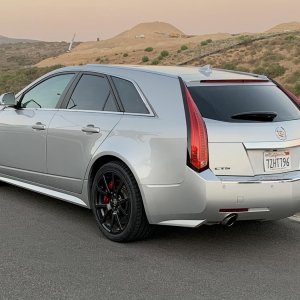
point(117, 204)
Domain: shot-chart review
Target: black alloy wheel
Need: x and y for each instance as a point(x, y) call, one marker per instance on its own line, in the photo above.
point(117, 204)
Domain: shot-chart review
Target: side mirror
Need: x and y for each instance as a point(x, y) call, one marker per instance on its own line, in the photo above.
point(8, 99)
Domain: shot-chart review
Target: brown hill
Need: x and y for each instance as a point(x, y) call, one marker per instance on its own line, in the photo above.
point(153, 30)
point(285, 27)
point(128, 47)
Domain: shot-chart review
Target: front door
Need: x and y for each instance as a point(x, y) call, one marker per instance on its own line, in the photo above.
point(23, 130)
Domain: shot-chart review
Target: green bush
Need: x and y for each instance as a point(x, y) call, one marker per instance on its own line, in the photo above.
point(155, 62)
point(184, 47)
point(245, 39)
point(242, 69)
point(206, 42)
point(98, 58)
point(160, 57)
point(296, 89)
point(290, 38)
point(145, 59)
point(273, 71)
point(294, 77)
point(149, 49)
point(259, 70)
point(125, 54)
point(179, 51)
point(164, 53)
point(272, 57)
point(228, 65)
point(15, 80)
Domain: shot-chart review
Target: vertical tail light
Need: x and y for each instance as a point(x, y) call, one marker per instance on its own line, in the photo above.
point(293, 97)
point(197, 135)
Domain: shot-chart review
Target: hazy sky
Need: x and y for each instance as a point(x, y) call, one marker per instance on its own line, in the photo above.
point(59, 19)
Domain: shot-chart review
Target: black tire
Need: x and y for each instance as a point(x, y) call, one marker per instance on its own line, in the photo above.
point(117, 204)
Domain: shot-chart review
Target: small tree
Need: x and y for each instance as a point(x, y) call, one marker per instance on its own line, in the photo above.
point(145, 59)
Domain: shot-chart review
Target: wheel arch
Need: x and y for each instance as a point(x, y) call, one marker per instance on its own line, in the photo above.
point(104, 158)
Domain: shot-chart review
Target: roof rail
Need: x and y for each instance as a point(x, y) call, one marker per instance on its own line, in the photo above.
point(245, 73)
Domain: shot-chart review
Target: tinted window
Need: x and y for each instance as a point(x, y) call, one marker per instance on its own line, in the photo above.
point(47, 93)
point(92, 93)
point(223, 102)
point(130, 97)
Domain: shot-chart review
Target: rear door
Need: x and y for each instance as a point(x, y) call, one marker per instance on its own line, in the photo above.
point(88, 115)
point(252, 128)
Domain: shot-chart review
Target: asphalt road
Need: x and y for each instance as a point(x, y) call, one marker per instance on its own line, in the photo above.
point(52, 250)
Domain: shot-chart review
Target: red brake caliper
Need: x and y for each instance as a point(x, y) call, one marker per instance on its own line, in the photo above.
point(105, 199)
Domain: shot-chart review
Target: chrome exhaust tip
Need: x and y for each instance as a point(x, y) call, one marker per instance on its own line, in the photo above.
point(229, 220)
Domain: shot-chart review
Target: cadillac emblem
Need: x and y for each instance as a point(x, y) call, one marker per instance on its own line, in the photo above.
point(280, 133)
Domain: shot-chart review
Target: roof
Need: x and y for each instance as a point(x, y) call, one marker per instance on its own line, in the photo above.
point(187, 73)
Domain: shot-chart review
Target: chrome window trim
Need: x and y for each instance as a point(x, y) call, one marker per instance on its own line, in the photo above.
point(38, 108)
point(105, 112)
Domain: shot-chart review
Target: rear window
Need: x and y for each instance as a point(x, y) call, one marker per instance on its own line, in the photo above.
point(223, 102)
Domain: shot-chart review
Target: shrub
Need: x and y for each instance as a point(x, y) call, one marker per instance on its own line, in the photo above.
point(160, 57)
point(294, 77)
point(145, 59)
point(272, 57)
point(179, 51)
point(290, 38)
point(274, 70)
point(183, 47)
point(125, 54)
point(228, 65)
point(206, 42)
point(296, 89)
point(149, 49)
point(164, 53)
point(155, 62)
point(242, 69)
point(98, 58)
point(16, 80)
point(259, 70)
point(245, 39)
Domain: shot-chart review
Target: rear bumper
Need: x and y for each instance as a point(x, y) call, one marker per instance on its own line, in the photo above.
point(199, 199)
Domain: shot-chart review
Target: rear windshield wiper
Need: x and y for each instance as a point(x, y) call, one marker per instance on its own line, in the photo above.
point(263, 116)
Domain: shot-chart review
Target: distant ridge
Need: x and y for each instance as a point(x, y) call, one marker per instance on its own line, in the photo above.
point(151, 29)
point(7, 40)
point(285, 27)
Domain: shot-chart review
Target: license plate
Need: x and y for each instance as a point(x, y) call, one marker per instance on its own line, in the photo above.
point(277, 161)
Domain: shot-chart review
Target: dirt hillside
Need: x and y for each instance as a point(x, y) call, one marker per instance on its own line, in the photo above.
point(285, 27)
point(128, 47)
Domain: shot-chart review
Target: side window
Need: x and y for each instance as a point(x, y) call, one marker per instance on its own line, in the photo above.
point(47, 93)
point(129, 96)
point(92, 93)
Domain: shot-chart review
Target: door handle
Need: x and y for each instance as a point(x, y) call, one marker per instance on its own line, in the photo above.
point(90, 129)
point(39, 126)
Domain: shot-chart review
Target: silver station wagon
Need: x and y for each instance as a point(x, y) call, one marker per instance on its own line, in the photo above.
point(141, 145)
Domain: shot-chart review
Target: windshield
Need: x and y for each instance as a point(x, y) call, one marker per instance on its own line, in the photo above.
point(227, 102)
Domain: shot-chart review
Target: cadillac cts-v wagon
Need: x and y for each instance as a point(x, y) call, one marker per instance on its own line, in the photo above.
point(139, 145)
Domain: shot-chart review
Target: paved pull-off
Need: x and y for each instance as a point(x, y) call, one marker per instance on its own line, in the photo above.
point(52, 250)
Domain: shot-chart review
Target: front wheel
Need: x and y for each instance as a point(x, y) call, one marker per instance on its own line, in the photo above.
point(117, 204)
